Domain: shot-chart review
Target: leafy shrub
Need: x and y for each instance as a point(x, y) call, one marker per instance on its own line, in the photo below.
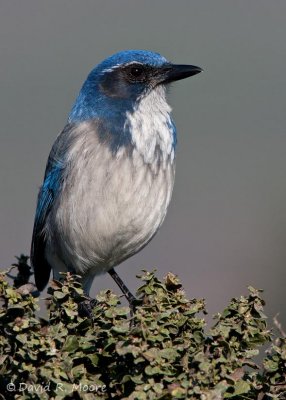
point(163, 351)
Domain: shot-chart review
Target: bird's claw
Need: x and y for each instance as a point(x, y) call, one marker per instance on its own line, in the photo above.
point(85, 308)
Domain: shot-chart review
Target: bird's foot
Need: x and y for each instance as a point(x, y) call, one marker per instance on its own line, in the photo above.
point(133, 304)
point(85, 308)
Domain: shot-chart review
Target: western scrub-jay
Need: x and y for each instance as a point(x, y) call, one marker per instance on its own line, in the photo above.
point(110, 173)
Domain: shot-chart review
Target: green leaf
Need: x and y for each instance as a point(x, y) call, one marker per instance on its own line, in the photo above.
point(94, 359)
point(71, 344)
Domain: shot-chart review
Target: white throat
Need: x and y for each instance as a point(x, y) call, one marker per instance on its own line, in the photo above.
point(151, 126)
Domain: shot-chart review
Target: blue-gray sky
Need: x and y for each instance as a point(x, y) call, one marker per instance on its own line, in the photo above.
point(226, 226)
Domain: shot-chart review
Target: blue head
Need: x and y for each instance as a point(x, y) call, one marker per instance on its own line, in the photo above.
point(116, 84)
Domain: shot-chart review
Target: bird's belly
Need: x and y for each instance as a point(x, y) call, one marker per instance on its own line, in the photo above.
point(111, 211)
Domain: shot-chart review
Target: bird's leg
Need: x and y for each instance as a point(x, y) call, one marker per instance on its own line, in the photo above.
point(129, 296)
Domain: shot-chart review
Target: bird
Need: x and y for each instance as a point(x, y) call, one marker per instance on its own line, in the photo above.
point(110, 173)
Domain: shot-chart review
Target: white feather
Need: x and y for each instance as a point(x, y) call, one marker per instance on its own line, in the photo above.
point(149, 124)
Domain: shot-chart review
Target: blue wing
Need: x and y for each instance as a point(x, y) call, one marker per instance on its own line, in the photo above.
point(49, 192)
point(47, 195)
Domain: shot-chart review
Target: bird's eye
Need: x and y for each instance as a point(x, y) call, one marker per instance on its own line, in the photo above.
point(136, 73)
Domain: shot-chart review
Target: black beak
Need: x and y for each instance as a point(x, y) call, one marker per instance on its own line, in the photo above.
point(175, 72)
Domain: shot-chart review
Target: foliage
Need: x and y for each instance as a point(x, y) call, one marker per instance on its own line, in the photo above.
point(162, 352)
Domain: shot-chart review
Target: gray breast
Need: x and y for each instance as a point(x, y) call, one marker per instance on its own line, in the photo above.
point(110, 206)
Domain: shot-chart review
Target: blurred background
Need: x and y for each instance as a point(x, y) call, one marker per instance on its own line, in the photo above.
point(226, 226)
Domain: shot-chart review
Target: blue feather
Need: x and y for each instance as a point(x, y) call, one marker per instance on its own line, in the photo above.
point(104, 96)
point(173, 129)
point(47, 195)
